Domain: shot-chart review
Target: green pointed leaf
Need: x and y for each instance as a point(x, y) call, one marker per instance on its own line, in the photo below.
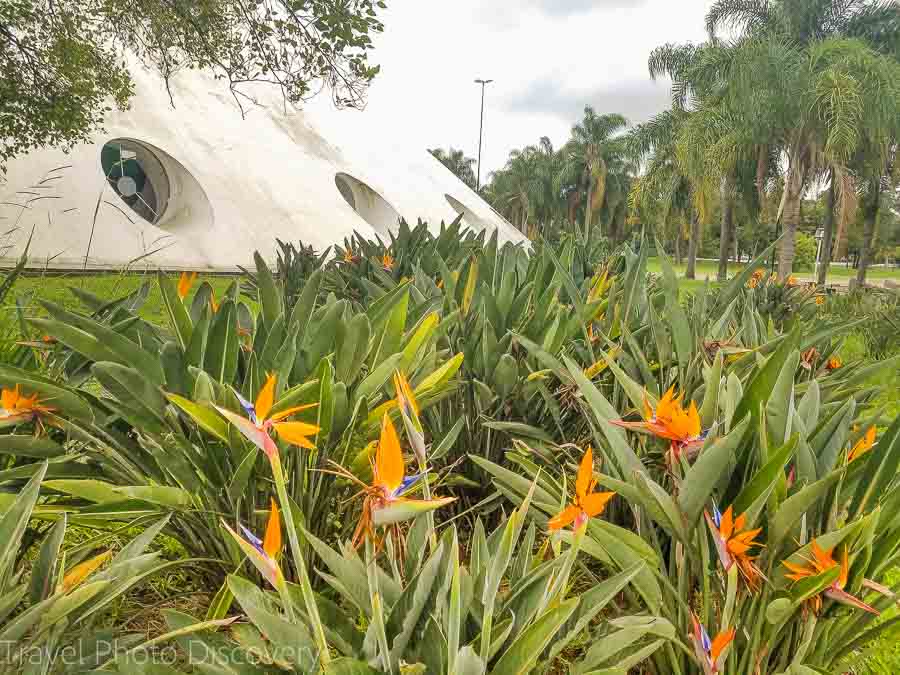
point(702, 478)
point(523, 653)
point(179, 317)
point(269, 293)
point(206, 418)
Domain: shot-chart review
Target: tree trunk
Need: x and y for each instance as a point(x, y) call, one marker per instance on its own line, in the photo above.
point(725, 234)
point(869, 223)
point(574, 202)
point(841, 241)
point(791, 219)
point(762, 170)
point(828, 235)
point(693, 245)
point(587, 208)
point(678, 248)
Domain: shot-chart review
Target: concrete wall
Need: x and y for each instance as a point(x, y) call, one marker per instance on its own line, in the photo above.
point(235, 184)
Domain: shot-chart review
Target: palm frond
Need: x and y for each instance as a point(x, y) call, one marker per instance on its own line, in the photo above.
point(746, 15)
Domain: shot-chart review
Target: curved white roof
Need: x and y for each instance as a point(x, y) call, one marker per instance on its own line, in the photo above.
point(225, 185)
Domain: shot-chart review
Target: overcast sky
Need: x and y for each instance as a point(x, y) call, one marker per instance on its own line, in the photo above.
point(549, 58)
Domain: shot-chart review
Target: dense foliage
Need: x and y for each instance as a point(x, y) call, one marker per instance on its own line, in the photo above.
point(62, 64)
point(629, 449)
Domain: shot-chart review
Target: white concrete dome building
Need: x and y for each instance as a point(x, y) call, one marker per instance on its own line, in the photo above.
point(196, 186)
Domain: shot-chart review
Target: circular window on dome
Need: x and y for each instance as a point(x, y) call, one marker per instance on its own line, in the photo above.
point(371, 206)
point(469, 218)
point(137, 175)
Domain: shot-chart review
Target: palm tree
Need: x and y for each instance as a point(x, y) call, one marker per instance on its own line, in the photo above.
point(458, 163)
point(549, 204)
point(620, 178)
point(877, 22)
point(728, 156)
point(587, 157)
point(516, 188)
point(666, 178)
point(527, 190)
point(811, 73)
point(875, 179)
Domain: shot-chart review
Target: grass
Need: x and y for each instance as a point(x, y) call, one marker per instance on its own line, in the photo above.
point(708, 269)
point(32, 289)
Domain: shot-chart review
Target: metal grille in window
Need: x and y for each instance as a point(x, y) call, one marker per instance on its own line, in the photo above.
point(137, 176)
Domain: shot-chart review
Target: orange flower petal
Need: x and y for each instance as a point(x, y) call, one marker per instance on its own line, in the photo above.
point(740, 522)
point(297, 433)
point(9, 398)
point(80, 572)
point(265, 399)
point(845, 570)
point(290, 411)
point(565, 517)
point(185, 282)
point(693, 421)
point(272, 540)
point(822, 559)
point(595, 503)
point(585, 474)
point(666, 406)
point(648, 409)
point(798, 571)
point(721, 641)
point(727, 525)
point(389, 467)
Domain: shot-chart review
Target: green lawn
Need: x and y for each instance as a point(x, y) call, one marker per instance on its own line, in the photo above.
point(708, 268)
point(55, 288)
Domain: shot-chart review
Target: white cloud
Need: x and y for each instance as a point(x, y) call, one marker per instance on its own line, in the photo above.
point(548, 58)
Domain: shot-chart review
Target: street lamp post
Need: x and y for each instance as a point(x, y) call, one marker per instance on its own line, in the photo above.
point(820, 235)
point(483, 83)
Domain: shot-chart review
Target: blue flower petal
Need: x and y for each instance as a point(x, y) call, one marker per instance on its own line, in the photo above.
point(255, 541)
point(407, 483)
point(704, 639)
point(248, 407)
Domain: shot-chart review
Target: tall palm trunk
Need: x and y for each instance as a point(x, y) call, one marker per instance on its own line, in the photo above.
point(574, 201)
point(693, 245)
point(828, 235)
point(587, 207)
point(762, 170)
point(725, 233)
point(841, 241)
point(869, 223)
point(791, 218)
point(678, 247)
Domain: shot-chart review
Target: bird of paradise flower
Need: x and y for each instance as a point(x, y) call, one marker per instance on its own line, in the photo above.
point(733, 543)
point(17, 408)
point(385, 501)
point(673, 422)
point(258, 424)
point(586, 504)
point(710, 653)
point(819, 562)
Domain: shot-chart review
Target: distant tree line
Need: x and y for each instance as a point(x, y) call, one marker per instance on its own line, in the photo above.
point(787, 119)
